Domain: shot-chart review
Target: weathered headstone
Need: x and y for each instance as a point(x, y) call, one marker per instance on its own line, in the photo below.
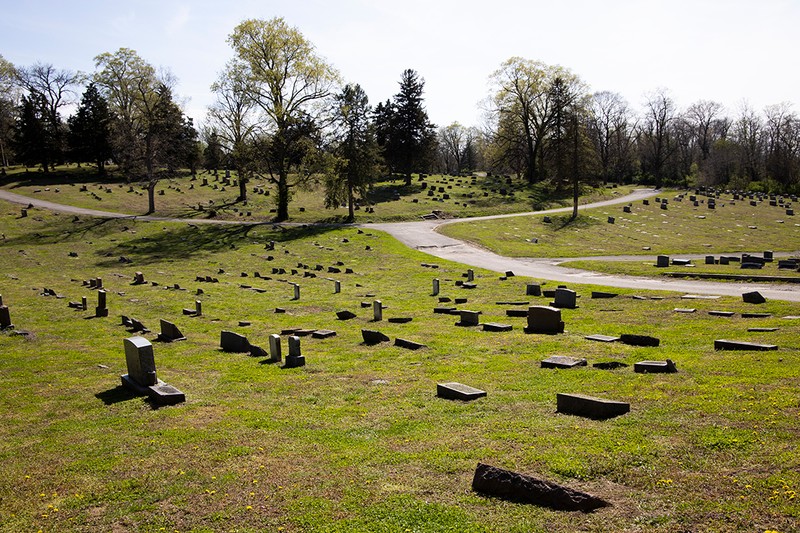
point(170, 332)
point(435, 291)
point(294, 359)
point(138, 279)
point(662, 261)
point(562, 361)
point(230, 341)
point(655, 367)
point(275, 348)
point(5, 318)
point(544, 319)
point(753, 297)
point(345, 314)
point(470, 275)
point(533, 289)
point(589, 406)
point(377, 311)
point(372, 337)
point(409, 344)
point(296, 291)
point(724, 344)
point(101, 310)
point(565, 299)
point(337, 286)
point(458, 391)
point(468, 318)
point(515, 487)
point(141, 376)
point(496, 327)
point(601, 294)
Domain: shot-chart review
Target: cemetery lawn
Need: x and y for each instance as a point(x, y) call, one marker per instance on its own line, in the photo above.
point(357, 439)
point(392, 200)
point(648, 269)
point(647, 230)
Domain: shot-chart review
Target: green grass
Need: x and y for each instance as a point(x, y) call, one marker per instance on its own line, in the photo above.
point(648, 269)
point(357, 440)
point(647, 230)
point(391, 199)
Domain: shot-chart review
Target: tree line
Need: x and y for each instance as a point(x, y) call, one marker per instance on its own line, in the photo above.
point(281, 113)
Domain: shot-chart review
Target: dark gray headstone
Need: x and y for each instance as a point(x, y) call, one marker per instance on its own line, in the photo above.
point(497, 327)
point(233, 342)
point(589, 406)
point(544, 319)
point(655, 367)
point(724, 344)
point(721, 313)
point(533, 289)
point(170, 332)
point(662, 261)
point(294, 359)
point(515, 487)
point(562, 361)
point(323, 334)
point(601, 294)
point(405, 343)
point(140, 361)
point(458, 391)
point(345, 315)
point(753, 297)
point(565, 299)
point(468, 318)
point(5, 318)
point(639, 340)
point(372, 337)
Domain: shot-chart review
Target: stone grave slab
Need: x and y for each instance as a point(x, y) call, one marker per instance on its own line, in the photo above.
point(444, 310)
point(753, 297)
point(762, 330)
point(562, 361)
point(589, 406)
point(756, 315)
point(699, 297)
point(400, 319)
point(655, 367)
point(170, 332)
point(458, 391)
point(515, 487)
point(372, 337)
point(685, 310)
point(409, 344)
point(724, 344)
point(609, 365)
point(468, 318)
point(601, 338)
point(721, 313)
point(601, 294)
point(544, 319)
point(496, 327)
point(323, 334)
point(230, 341)
point(639, 340)
point(345, 315)
point(141, 376)
point(519, 313)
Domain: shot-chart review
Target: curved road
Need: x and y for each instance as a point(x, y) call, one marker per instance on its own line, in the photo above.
point(423, 236)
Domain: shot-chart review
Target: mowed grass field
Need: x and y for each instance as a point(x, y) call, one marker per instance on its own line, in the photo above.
point(733, 226)
point(357, 440)
point(390, 199)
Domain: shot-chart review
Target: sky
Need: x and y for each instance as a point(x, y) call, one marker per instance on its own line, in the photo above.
point(734, 52)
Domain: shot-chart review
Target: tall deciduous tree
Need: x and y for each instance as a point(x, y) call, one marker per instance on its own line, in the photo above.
point(612, 130)
point(355, 146)
point(90, 129)
point(406, 134)
point(657, 136)
point(8, 109)
point(288, 81)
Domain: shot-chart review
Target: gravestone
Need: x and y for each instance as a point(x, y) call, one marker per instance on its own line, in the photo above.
point(138, 279)
point(662, 261)
point(296, 291)
point(98, 283)
point(589, 406)
point(626, 209)
point(230, 341)
point(724, 344)
point(533, 289)
point(655, 367)
point(198, 308)
point(84, 303)
point(470, 275)
point(345, 315)
point(610, 220)
point(377, 311)
point(458, 391)
point(511, 486)
point(639, 340)
point(497, 327)
point(101, 310)
point(170, 332)
point(294, 359)
point(141, 376)
point(337, 286)
point(409, 344)
point(468, 318)
point(544, 319)
point(372, 337)
point(275, 348)
point(710, 260)
point(721, 313)
point(601, 338)
point(435, 291)
point(562, 361)
point(5, 318)
point(753, 297)
point(565, 299)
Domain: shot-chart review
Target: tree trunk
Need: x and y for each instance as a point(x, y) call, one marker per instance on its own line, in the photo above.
point(151, 197)
point(242, 186)
point(283, 197)
point(351, 210)
point(408, 179)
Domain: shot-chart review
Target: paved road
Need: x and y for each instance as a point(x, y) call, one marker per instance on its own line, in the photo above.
point(423, 236)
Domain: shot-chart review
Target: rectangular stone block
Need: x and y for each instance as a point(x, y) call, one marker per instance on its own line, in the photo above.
point(561, 361)
point(458, 391)
point(140, 361)
point(589, 406)
point(655, 367)
point(497, 327)
point(233, 342)
point(724, 344)
point(544, 319)
point(601, 338)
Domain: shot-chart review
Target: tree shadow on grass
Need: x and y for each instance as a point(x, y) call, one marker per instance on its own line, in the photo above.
point(116, 395)
point(60, 231)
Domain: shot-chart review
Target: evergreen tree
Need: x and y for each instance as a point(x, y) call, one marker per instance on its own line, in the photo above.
point(213, 156)
point(90, 130)
point(34, 139)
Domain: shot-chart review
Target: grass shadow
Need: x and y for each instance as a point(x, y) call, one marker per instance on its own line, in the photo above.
point(116, 395)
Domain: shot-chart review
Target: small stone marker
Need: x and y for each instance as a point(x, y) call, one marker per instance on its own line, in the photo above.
point(295, 358)
point(639, 340)
point(589, 406)
point(470, 275)
point(458, 391)
point(84, 303)
point(372, 337)
point(377, 311)
point(435, 290)
point(230, 341)
point(275, 348)
point(405, 343)
point(141, 376)
point(601, 338)
point(170, 332)
point(497, 327)
point(138, 279)
point(533, 289)
point(323, 334)
point(515, 487)
point(544, 319)
point(562, 361)
point(345, 315)
point(721, 313)
point(468, 318)
point(296, 291)
point(655, 367)
point(724, 344)
point(98, 283)
point(756, 315)
point(198, 308)
point(101, 310)
point(685, 310)
point(753, 297)
point(5, 318)
point(565, 299)
point(600, 294)
point(337, 286)
point(762, 330)
point(662, 261)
